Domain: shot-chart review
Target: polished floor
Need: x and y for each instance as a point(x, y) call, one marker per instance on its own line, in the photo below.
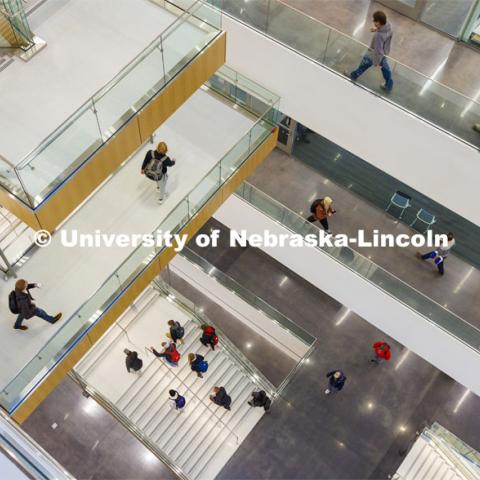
point(296, 184)
point(415, 44)
point(88, 441)
point(365, 430)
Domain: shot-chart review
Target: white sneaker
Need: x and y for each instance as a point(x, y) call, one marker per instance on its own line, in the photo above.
point(160, 201)
point(327, 391)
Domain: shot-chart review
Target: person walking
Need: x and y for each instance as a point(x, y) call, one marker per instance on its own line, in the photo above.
point(20, 302)
point(155, 166)
point(221, 398)
point(170, 353)
point(209, 336)
point(260, 399)
point(198, 364)
point(382, 352)
point(336, 381)
point(321, 209)
point(176, 331)
point(440, 254)
point(132, 361)
point(378, 51)
point(179, 400)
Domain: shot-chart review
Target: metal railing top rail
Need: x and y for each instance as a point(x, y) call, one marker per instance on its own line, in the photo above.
point(366, 261)
point(449, 452)
point(112, 83)
point(462, 448)
point(471, 100)
point(268, 310)
point(249, 369)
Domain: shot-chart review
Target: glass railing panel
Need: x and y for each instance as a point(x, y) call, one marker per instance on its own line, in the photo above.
point(181, 42)
point(419, 94)
point(85, 317)
point(249, 297)
point(51, 163)
point(10, 180)
point(235, 157)
point(66, 149)
point(300, 32)
point(130, 91)
point(27, 454)
point(364, 267)
point(204, 190)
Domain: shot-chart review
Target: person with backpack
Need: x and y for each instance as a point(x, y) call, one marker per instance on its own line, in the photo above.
point(209, 336)
point(155, 166)
point(198, 364)
point(170, 353)
point(336, 381)
point(20, 302)
point(260, 399)
point(176, 331)
point(132, 361)
point(321, 209)
point(382, 352)
point(179, 400)
point(221, 398)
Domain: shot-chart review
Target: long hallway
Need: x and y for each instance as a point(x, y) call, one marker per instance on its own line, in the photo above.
point(296, 185)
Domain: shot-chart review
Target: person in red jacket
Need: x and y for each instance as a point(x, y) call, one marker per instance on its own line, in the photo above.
point(382, 352)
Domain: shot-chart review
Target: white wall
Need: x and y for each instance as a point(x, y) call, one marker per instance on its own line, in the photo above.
point(380, 309)
point(371, 128)
point(254, 318)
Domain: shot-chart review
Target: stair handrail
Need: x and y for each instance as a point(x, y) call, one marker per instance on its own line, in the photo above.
point(127, 423)
point(248, 368)
point(441, 445)
point(171, 370)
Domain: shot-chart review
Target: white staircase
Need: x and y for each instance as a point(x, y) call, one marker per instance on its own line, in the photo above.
point(426, 462)
point(201, 438)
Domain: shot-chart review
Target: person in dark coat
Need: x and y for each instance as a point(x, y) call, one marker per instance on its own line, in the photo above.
point(221, 398)
point(176, 331)
point(336, 381)
point(260, 399)
point(132, 361)
point(26, 308)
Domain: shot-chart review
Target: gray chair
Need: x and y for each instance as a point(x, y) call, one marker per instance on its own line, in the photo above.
point(425, 217)
point(400, 200)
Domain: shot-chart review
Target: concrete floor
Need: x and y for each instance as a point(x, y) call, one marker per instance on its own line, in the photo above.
point(360, 432)
point(88, 441)
point(457, 290)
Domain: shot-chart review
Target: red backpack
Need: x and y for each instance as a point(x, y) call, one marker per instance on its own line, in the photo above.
point(173, 353)
point(214, 340)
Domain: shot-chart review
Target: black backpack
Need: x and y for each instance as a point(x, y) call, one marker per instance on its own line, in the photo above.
point(12, 303)
point(314, 205)
point(267, 405)
point(179, 330)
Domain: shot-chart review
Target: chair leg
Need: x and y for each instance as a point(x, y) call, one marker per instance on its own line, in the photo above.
point(388, 207)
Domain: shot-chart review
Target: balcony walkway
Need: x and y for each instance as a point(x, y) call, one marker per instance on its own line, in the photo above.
point(296, 185)
point(199, 134)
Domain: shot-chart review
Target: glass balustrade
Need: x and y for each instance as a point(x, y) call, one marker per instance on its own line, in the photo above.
point(66, 149)
point(78, 325)
point(27, 454)
point(413, 91)
point(365, 268)
point(284, 322)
